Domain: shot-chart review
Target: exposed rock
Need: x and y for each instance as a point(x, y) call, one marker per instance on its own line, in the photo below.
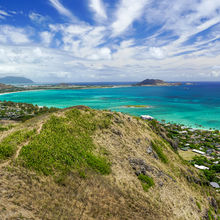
point(117, 132)
point(173, 143)
point(149, 150)
point(137, 173)
point(193, 179)
point(155, 156)
point(190, 171)
point(140, 166)
point(213, 203)
point(138, 141)
point(160, 184)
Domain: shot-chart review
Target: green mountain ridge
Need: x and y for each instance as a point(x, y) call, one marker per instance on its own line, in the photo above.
point(80, 163)
point(14, 79)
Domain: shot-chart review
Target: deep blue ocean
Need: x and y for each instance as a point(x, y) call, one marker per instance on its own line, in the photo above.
point(191, 105)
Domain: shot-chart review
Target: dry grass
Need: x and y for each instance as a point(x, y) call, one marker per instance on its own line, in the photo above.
point(116, 196)
point(187, 155)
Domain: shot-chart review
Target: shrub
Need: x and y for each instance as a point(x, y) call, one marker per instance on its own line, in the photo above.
point(158, 149)
point(146, 181)
point(198, 205)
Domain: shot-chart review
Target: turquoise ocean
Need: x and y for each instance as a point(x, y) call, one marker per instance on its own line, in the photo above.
point(191, 105)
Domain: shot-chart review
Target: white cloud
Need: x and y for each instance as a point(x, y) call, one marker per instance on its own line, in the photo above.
point(83, 41)
point(3, 14)
point(98, 7)
point(10, 34)
point(156, 52)
point(62, 10)
point(84, 51)
point(46, 37)
point(37, 18)
point(128, 11)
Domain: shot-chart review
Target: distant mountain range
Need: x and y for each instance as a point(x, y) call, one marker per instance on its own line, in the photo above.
point(14, 79)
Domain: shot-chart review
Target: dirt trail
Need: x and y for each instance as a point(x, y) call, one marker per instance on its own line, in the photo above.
point(6, 163)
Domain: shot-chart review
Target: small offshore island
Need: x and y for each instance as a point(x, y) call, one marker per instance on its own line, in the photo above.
point(157, 82)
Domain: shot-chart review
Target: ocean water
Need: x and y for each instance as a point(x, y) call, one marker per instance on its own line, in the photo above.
point(191, 105)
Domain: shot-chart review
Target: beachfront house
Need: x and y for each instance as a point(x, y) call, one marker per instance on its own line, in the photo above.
point(201, 167)
point(146, 117)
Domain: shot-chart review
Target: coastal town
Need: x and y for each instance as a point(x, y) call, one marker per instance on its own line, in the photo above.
point(21, 111)
point(201, 148)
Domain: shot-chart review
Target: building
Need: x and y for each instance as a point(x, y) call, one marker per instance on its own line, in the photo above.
point(198, 152)
point(201, 167)
point(215, 185)
point(146, 117)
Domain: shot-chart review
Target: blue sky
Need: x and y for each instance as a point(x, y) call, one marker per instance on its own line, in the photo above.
point(110, 40)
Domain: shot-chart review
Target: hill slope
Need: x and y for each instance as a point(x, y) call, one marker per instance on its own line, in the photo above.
point(87, 164)
point(14, 79)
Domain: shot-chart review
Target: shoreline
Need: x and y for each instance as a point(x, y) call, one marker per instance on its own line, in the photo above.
point(196, 126)
point(77, 87)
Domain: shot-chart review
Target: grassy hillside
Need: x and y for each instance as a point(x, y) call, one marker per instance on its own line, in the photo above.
point(84, 164)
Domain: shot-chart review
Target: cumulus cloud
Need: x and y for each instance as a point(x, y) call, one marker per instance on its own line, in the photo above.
point(13, 35)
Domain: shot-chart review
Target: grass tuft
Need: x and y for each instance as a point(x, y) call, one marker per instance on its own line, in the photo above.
point(158, 149)
point(146, 181)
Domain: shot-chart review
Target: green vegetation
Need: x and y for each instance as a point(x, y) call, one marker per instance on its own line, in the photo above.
point(146, 181)
point(21, 111)
point(157, 146)
point(198, 205)
point(65, 143)
point(181, 137)
point(4, 128)
point(9, 144)
point(214, 169)
point(210, 215)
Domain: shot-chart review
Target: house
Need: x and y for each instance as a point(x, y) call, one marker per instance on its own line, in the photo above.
point(209, 151)
point(146, 117)
point(198, 152)
point(184, 148)
point(215, 185)
point(201, 167)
